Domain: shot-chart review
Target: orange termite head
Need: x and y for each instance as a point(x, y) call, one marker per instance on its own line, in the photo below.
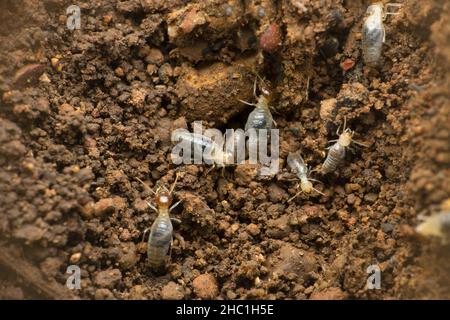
point(163, 199)
point(265, 90)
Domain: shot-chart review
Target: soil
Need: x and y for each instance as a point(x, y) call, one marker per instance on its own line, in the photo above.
point(85, 112)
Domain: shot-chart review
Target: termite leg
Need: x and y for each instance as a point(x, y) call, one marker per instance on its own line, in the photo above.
point(174, 183)
point(143, 234)
point(151, 206)
point(169, 258)
point(247, 103)
point(360, 143)
point(295, 196)
point(174, 206)
point(145, 185)
point(180, 239)
point(307, 89)
point(298, 193)
point(391, 5)
point(176, 220)
point(223, 172)
point(320, 192)
point(210, 169)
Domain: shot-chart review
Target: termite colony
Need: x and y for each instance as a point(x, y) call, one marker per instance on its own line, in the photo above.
point(373, 37)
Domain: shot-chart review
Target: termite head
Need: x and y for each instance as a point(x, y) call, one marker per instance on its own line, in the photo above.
point(346, 137)
point(163, 199)
point(306, 186)
point(375, 9)
point(266, 93)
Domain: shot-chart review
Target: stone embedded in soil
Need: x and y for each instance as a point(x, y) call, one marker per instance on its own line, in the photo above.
point(155, 57)
point(11, 293)
point(331, 293)
point(253, 229)
point(245, 173)
point(197, 208)
point(210, 19)
point(108, 206)
point(289, 259)
point(276, 193)
point(51, 266)
point(279, 228)
point(172, 291)
point(28, 74)
point(270, 38)
point(371, 197)
point(205, 286)
point(108, 278)
point(354, 95)
point(327, 108)
point(75, 258)
point(128, 256)
point(104, 294)
point(138, 292)
point(387, 227)
point(29, 232)
point(212, 93)
point(13, 149)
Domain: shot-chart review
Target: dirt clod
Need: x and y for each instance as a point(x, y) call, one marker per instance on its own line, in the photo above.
point(172, 291)
point(205, 286)
point(108, 278)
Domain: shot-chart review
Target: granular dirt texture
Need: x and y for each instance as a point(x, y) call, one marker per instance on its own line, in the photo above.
point(85, 112)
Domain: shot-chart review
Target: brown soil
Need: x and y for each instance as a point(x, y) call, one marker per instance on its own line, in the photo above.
point(84, 112)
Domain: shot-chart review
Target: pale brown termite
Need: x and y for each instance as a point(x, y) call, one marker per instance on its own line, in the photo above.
point(260, 117)
point(337, 151)
point(160, 238)
point(298, 166)
point(374, 33)
point(437, 225)
point(216, 154)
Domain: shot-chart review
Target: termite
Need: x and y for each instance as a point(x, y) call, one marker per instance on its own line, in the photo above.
point(161, 232)
point(298, 166)
point(436, 225)
point(214, 151)
point(374, 33)
point(260, 117)
point(336, 153)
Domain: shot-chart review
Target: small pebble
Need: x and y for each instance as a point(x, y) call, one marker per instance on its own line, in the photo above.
point(205, 286)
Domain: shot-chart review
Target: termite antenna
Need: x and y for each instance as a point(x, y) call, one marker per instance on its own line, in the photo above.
point(311, 179)
point(143, 234)
point(174, 183)
point(210, 169)
point(391, 5)
point(307, 89)
point(360, 143)
point(319, 192)
point(146, 185)
point(298, 193)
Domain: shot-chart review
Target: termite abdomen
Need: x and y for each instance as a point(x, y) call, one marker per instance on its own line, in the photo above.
point(335, 156)
point(159, 242)
point(373, 35)
point(260, 117)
